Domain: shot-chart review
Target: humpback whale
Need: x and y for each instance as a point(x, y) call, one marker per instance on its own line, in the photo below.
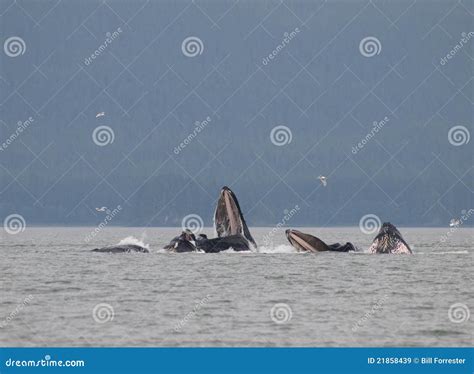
point(229, 223)
point(309, 243)
point(121, 248)
point(389, 240)
point(236, 242)
point(182, 243)
point(228, 218)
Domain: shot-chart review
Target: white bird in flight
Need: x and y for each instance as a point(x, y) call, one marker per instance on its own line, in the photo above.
point(103, 209)
point(324, 180)
point(100, 114)
point(454, 222)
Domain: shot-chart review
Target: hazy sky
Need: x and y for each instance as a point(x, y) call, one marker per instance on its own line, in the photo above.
point(263, 96)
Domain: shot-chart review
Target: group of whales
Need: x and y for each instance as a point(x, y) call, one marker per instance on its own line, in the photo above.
point(233, 233)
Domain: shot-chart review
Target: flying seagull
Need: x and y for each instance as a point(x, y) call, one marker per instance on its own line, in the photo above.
point(324, 180)
point(103, 209)
point(454, 222)
point(100, 114)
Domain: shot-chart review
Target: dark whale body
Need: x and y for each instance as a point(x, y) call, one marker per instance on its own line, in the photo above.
point(215, 245)
point(123, 248)
point(182, 243)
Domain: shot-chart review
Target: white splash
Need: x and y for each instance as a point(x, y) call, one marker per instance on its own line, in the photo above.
point(134, 241)
point(283, 248)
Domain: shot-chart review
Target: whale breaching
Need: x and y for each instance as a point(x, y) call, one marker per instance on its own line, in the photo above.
point(229, 224)
point(228, 218)
point(388, 240)
point(309, 243)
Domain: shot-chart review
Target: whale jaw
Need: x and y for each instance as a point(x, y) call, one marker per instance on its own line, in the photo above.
point(228, 218)
point(305, 242)
point(389, 240)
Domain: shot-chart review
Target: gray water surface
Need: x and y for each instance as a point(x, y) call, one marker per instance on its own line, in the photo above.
point(54, 292)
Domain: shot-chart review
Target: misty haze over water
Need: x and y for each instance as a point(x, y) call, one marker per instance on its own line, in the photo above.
point(388, 127)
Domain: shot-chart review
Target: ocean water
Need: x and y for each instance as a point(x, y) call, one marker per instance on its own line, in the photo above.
point(55, 292)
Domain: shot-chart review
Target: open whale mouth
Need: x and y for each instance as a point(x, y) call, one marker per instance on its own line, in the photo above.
point(228, 218)
point(305, 242)
point(389, 240)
